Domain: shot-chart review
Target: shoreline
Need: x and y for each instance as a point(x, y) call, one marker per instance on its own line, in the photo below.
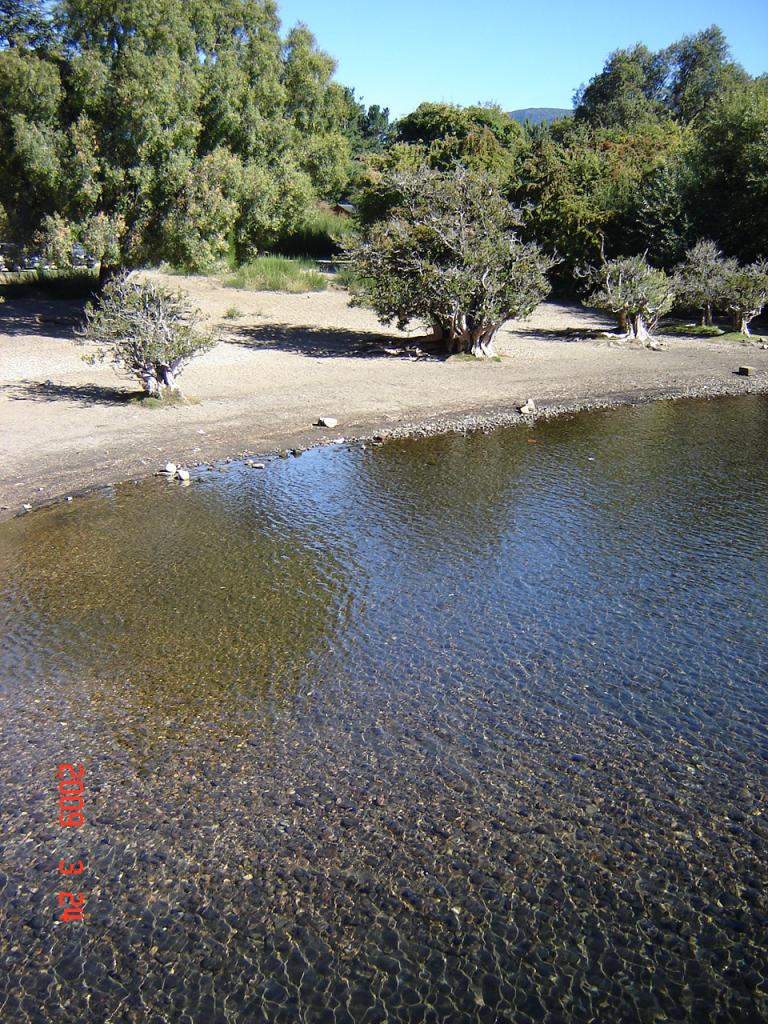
point(454, 421)
point(287, 359)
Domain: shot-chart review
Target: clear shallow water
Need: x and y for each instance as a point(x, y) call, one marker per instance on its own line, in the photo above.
point(467, 729)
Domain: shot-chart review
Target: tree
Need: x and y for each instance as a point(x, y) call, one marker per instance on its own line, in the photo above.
point(479, 137)
point(746, 293)
point(699, 281)
point(655, 219)
point(633, 291)
point(146, 331)
point(728, 168)
point(193, 128)
point(638, 85)
point(627, 92)
point(448, 253)
point(585, 189)
point(699, 70)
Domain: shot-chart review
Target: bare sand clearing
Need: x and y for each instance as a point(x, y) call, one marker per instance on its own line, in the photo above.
point(287, 359)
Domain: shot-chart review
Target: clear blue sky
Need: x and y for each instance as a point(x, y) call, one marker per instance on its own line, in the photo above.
point(400, 52)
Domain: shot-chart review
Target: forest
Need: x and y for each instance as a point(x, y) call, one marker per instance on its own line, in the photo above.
point(195, 132)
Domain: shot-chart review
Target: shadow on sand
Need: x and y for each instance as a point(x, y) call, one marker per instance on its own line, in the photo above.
point(82, 394)
point(325, 342)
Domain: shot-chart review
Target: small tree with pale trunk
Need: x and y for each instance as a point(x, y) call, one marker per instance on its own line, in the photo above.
point(746, 293)
point(145, 330)
point(699, 280)
point(447, 253)
point(636, 293)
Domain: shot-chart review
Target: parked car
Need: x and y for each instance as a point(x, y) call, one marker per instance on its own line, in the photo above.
point(82, 258)
point(10, 258)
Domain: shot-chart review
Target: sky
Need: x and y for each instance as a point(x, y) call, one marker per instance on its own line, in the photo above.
point(399, 53)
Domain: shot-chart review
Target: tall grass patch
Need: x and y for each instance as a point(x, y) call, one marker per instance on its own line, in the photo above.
point(276, 274)
point(323, 236)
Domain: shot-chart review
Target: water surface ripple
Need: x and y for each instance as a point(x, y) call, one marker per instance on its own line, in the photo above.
point(469, 729)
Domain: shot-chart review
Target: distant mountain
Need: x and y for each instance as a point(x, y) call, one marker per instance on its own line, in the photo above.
point(537, 115)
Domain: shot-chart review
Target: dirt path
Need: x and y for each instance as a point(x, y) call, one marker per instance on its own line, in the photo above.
point(287, 359)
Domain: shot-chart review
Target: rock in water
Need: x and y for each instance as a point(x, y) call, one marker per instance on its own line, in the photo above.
point(327, 421)
point(169, 468)
point(529, 408)
point(182, 474)
point(746, 371)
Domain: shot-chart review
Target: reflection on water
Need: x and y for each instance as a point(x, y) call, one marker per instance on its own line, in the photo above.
point(466, 729)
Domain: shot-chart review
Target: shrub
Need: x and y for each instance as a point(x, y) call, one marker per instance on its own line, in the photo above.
point(146, 331)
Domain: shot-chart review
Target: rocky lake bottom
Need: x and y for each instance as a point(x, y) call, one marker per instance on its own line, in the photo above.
point(464, 729)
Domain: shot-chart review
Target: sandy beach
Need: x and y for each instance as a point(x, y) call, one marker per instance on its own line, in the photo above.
point(284, 360)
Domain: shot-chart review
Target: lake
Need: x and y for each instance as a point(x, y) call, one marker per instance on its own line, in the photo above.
point(462, 729)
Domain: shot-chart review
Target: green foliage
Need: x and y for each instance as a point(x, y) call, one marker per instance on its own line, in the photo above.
point(627, 92)
point(634, 292)
point(583, 187)
point(728, 167)
point(345, 276)
point(189, 130)
point(699, 70)
point(146, 331)
point(638, 85)
point(448, 254)
point(277, 274)
point(655, 219)
point(700, 279)
point(480, 138)
point(24, 23)
point(193, 132)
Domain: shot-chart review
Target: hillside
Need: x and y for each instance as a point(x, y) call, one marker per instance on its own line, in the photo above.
point(537, 115)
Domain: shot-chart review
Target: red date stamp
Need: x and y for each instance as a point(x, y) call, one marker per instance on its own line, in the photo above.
point(71, 815)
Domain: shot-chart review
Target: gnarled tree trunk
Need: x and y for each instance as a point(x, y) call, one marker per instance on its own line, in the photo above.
point(477, 341)
point(638, 328)
point(158, 381)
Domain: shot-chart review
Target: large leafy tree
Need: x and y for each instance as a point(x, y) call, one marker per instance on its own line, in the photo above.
point(639, 85)
point(728, 167)
point(699, 69)
point(627, 92)
point(587, 189)
point(448, 253)
point(480, 137)
point(192, 129)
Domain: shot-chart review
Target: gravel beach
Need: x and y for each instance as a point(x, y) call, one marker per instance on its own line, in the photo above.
point(284, 360)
